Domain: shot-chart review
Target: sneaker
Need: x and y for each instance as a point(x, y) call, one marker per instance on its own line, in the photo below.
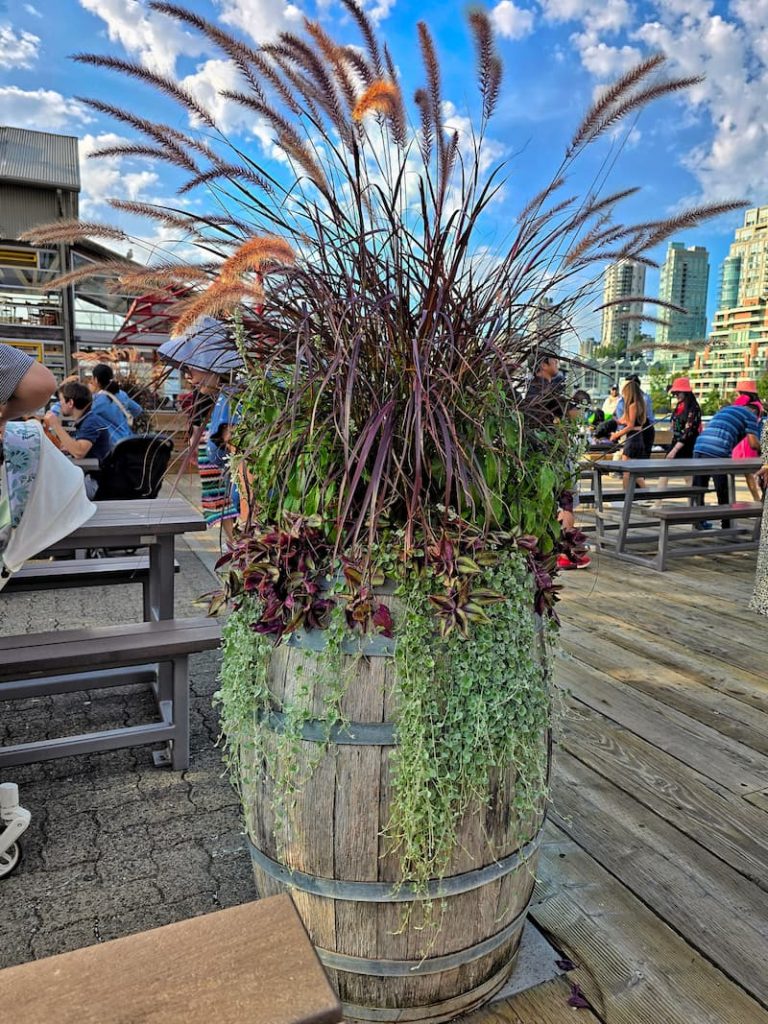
point(578, 562)
point(703, 525)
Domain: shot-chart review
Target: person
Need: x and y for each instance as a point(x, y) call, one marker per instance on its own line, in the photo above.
point(759, 602)
point(92, 432)
point(631, 426)
point(25, 385)
point(686, 419)
point(717, 440)
point(649, 430)
point(609, 405)
point(112, 403)
point(42, 492)
point(220, 499)
point(545, 400)
point(746, 394)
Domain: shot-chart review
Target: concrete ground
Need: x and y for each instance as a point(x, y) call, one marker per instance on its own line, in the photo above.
point(116, 845)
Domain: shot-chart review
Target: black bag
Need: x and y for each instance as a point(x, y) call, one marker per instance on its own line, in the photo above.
point(135, 468)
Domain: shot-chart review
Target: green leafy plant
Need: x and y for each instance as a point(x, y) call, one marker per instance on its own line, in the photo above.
point(385, 428)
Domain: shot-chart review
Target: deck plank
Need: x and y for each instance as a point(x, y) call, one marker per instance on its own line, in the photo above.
point(705, 811)
point(718, 912)
point(658, 649)
point(684, 692)
point(727, 761)
point(758, 800)
point(545, 1004)
point(633, 968)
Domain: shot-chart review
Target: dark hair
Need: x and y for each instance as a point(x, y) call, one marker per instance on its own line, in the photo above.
point(756, 407)
point(543, 357)
point(688, 399)
point(76, 392)
point(104, 376)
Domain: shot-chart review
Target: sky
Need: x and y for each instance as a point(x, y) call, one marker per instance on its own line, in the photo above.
point(705, 145)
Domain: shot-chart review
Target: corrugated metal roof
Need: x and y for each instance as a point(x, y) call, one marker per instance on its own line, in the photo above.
point(39, 158)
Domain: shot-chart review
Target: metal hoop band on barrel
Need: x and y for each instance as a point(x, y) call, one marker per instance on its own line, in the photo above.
point(383, 892)
point(372, 645)
point(358, 734)
point(445, 1010)
point(432, 965)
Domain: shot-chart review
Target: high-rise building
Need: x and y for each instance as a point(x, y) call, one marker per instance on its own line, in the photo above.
point(684, 281)
point(623, 279)
point(744, 275)
point(738, 342)
point(547, 324)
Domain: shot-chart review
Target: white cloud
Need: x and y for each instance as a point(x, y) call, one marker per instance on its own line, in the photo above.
point(206, 85)
point(595, 15)
point(602, 60)
point(104, 178)
point(262, 20)
point(730, 162)
point(381, 10)
point(155, 39)
point(32, 10)
point(729, 48)
point(40, 109)
point(18, 51)
point(510, 21)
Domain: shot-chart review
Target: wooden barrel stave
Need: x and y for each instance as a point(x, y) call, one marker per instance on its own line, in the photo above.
point(345, 805)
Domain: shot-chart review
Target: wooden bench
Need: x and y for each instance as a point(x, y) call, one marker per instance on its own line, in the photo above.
point(41, 664)
point(251, 963)
point(645, 494)
point(83, 572)
point(669, 516)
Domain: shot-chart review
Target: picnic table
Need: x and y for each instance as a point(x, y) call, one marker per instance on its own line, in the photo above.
point(87, 465)
point(154, 651)
point(616, 541)
point(152, 523)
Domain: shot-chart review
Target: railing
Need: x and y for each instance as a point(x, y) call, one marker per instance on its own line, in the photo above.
point(29, 314)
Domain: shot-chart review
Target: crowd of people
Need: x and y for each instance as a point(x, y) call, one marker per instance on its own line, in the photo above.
point(101, 414)
point(627, 420)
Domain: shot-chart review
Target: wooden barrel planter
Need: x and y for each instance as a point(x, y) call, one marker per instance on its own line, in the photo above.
point(342, 877)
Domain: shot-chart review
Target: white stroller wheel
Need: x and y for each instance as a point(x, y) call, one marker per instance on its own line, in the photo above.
point(9, 859)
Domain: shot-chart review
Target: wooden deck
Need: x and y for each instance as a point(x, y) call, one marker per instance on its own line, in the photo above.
point(654, 877)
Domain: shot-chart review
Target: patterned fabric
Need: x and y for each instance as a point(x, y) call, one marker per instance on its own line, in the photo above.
point(724, 431)
point(686, 423)
point(13, 366)
point(220, 500)
point(22, 459)
point(759, 602)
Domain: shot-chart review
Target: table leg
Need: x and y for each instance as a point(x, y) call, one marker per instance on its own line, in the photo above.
point(597, 484)
point(159, 604)
point(731, 488)
point(161, 578)
point(626, 514)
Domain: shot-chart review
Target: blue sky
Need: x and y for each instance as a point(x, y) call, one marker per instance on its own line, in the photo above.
point(706, 146)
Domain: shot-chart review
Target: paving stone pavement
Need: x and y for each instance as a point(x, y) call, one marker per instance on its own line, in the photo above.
point(116, 845)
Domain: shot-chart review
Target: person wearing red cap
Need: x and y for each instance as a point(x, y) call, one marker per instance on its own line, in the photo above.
point(686, 419)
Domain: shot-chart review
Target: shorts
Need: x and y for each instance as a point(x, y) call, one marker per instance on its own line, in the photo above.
point(634, 446)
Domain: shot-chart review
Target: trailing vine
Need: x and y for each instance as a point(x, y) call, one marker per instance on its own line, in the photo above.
point(470, 707)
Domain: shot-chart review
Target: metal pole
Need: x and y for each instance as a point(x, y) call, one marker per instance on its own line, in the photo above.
point(67, 312)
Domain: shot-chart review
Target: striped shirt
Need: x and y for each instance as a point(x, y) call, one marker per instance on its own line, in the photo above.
point(724, 431)
point(13, 367)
